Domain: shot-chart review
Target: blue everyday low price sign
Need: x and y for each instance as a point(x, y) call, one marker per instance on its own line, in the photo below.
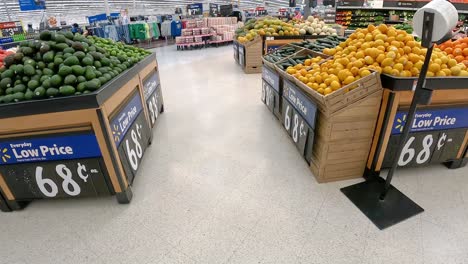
point(124, 119)
point(433, 119)
point(60, 147)
point(31, 5)
point(271, 77)
point(150, 84)
point(300, 102)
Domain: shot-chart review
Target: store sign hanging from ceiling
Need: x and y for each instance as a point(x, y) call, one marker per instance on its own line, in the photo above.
point(32, 5)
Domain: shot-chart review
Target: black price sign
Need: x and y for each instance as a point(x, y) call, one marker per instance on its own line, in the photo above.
point(131, 133)
point(298, 117)
point(155, 104)
point(236, 51)
point(300, 132)
point(55, 179)
point(134, 145)
point(268, 96)
point(423, 148)
point(241, 56)
point(271, 87)
point(153, 96)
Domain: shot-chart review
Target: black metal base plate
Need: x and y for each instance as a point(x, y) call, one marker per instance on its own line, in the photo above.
point(396, 207)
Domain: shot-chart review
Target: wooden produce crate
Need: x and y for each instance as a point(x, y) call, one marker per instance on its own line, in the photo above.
point(343, 139)
point(304, 52)
point(346, 95)
point(252, 52)
point(271, 64)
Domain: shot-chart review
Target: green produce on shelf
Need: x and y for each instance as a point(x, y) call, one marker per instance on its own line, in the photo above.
point(63, 64)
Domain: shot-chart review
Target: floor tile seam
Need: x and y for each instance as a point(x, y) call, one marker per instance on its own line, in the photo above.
point(403, 249)
point(180, 252)
point(238, 247)
point(444, 227)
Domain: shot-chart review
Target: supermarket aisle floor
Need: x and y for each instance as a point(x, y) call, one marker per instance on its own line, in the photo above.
point(222, 183)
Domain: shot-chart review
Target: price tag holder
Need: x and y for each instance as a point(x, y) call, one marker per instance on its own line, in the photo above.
point(131, 134)
point(241, 56)
point(439, 130)
point(153, 96)
point(268, 96)
point(56, 179)
point(53, 166)
point(133, 146)
point(299, 112)
point(426, 147)
point(272, 78)
point(236, 51)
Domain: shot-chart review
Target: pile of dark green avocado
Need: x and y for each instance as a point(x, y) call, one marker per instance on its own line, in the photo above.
point(63, 64)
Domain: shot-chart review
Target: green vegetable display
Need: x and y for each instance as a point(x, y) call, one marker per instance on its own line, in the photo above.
point(63, 64)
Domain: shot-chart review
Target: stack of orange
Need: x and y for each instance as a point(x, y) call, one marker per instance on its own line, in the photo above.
point(457, 50)
point(383, 49)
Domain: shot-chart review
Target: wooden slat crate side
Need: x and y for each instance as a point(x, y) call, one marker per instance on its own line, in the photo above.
point(322, 175)
point(326, 152)
point(365, 110)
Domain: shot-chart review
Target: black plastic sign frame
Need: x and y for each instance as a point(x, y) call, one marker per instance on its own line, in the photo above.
point(153, 97)
point(131, 134)
point(299, 115)
point(242, 56)
point(53, 166)
point(271, 91)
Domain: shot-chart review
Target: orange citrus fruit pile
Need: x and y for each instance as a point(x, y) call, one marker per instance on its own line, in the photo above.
point(457, 50)
point(383, 49)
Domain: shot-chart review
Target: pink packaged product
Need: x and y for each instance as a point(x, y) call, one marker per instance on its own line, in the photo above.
point(180, 40)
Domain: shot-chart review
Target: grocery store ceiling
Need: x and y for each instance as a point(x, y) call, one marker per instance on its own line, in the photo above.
point(147, 7)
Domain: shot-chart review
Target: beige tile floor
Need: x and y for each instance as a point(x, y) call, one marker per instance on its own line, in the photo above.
point(222, 183)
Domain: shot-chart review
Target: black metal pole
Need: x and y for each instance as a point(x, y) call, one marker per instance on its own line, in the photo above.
point(427, 39)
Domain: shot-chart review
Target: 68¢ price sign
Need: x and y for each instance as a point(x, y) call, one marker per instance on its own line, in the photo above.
point(134, 145)
point(58, 179)
point(426, 147)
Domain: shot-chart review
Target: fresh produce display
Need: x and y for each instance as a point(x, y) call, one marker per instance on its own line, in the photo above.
point(63, 64)
point(281, 53)
point(457, 50)
point(383, 49)
point(3, 55)
point(274, 27)
point(298, 63)
point(320, 44)
point(313, 26)
point(406, 27)
point(265, 27)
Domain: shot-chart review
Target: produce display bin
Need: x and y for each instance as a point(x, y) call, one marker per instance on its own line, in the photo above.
point(271, 43)
point(77, 146)
point(439, 133)
point(334, 132)
point(250, 56)
point(303, 52)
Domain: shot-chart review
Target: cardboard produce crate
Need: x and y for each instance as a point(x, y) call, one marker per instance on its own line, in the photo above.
point(346, 95)
point(252, 56)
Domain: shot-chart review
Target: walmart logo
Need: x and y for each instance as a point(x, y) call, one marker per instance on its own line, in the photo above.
point(116, 133)
point(401, 123)
point(5, 155)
